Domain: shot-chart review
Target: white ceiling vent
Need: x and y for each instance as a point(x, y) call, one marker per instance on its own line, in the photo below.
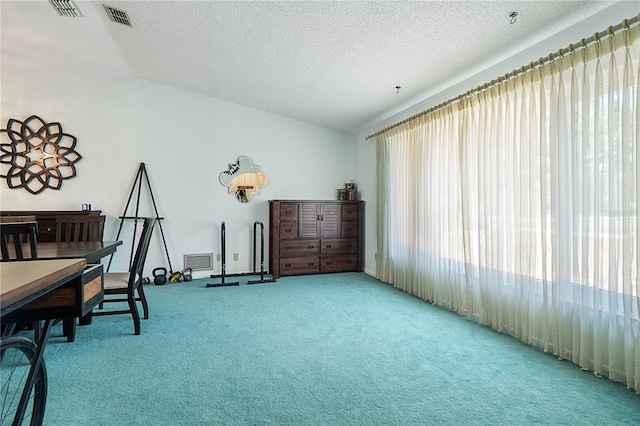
point(117, 15)
point(66, 8)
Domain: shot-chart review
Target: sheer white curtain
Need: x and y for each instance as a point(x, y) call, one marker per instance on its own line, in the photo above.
point(518, 207)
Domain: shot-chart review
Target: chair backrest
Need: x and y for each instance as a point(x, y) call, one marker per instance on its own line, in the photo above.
point(15, 234)
point(79, 228)
point(137, 266)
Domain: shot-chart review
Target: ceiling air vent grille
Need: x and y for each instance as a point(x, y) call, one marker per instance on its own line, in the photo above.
point(66, 8)
point(117, 15)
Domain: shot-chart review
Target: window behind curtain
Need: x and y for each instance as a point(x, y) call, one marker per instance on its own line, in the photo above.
point(518, 206)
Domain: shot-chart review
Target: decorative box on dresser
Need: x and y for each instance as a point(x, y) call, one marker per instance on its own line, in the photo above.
point(311, 237)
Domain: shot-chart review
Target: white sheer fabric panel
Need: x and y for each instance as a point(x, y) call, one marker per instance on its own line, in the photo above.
point(518, 207)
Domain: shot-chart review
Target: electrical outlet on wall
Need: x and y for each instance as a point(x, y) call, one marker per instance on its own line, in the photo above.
point(235, 256)
point(218, 258)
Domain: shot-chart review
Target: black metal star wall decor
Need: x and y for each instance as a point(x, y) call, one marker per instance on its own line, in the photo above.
point(37, 155)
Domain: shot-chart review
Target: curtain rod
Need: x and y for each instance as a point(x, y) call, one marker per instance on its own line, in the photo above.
point(596, 38)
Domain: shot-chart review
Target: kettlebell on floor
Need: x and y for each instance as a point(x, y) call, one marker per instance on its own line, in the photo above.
point(187, 274)
point(160, 276)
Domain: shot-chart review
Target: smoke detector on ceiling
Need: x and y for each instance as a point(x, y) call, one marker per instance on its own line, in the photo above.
point(117, 15)
point(66, 8)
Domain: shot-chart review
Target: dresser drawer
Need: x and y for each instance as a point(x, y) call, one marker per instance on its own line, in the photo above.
point(338, 263)
point(349, 229)
point(288, 211)
point(299, 248)
point(350, 212)
point(299, 265)
point(339, 247)
point(288, 230)
point(46, 230)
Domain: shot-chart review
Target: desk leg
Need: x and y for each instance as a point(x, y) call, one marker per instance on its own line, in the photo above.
point(86, 320)
point(69, 328)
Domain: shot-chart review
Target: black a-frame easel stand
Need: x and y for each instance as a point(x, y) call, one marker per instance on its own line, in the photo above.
point(137, 188)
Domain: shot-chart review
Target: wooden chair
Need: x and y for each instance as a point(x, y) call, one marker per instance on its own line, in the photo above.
point(14, 234)
point(77, 228)
point(18, 219)
point(129, 284)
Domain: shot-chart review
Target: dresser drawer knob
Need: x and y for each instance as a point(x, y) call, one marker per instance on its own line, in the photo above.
point(288, 248)
point(287, 265)
point(287, 230)
point(328, 246)
point(311, 247)
point(310, 264)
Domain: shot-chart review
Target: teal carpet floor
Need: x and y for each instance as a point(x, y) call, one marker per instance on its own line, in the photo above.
point(339, 349)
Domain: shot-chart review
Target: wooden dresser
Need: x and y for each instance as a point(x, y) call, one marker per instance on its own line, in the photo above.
point(311, 237)
point(47, 220)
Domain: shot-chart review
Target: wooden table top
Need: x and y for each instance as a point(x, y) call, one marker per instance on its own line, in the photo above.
point(89, 249)
point(92, 251)
point(24, 281)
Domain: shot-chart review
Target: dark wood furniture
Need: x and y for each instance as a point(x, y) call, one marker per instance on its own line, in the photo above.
point(90, 292)
point(310, 237)
point(12, 235)
point(28, 294)
point(17, 219)
point(92, 251)
point(12, 238)
point(75, 298)
point(47, 220)
point(23, 282)
point(79, 228)
point(87, 292)
point(127, 286)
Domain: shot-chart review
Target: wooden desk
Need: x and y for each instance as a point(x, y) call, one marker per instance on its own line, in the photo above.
point(78, 298)
point(24, 282)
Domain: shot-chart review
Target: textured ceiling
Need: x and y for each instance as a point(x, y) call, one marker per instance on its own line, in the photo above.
point(332, 63)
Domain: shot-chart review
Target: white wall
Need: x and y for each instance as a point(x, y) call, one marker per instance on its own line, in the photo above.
point(186, 141)
point(365, 155)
